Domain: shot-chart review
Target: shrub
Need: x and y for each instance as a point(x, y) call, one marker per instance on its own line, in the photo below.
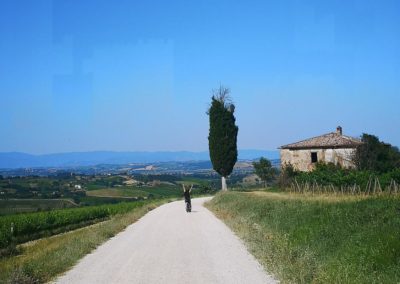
point(330, 174)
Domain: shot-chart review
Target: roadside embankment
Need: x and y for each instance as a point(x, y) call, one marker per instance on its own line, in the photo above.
point(320, 239)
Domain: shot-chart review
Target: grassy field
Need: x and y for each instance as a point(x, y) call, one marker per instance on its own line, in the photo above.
point(98, 200)
point(318, 239)
point(42, 260)
point(163, 191)
point(160, 191)
point(12, 206)
point(117, 192)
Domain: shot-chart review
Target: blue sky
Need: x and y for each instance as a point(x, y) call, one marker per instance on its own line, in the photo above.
point(138, 75)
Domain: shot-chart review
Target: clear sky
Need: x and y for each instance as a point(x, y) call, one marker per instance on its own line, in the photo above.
point(137, 75)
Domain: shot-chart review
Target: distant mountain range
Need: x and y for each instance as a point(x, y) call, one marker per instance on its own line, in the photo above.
point(12, 160)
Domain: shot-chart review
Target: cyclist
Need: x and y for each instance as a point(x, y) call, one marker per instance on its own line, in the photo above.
point(186, 194)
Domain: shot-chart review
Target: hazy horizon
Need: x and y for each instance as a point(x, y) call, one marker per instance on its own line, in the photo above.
point(131, 151)
point(24, 160)
point(138, 75)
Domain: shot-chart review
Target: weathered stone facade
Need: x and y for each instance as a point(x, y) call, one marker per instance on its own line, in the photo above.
point(301, 159)
point(333, 148)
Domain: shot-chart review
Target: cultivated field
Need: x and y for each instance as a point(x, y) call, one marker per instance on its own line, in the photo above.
point(12, 206)
point(117, 192)
point(19, 228)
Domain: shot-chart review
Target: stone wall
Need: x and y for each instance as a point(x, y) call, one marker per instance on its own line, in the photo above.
point(301, 159)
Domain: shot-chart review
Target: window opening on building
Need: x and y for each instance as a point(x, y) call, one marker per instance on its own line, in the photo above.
point(314, 157)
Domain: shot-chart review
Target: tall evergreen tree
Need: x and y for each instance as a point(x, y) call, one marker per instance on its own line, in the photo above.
point(223, 134)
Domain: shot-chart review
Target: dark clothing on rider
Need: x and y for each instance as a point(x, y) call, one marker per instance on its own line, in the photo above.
point(186, 194)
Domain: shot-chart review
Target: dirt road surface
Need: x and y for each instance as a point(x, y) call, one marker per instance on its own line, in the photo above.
point(169, 245)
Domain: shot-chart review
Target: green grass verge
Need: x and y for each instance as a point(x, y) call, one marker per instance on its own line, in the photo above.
point(318, 239)
point(42, 260)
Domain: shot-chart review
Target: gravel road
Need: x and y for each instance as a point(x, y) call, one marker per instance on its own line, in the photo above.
point(169, 245)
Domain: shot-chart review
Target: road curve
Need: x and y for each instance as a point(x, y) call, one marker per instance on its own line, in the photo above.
point(169, 245)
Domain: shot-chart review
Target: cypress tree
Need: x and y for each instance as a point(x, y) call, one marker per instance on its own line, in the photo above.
point(223, 134)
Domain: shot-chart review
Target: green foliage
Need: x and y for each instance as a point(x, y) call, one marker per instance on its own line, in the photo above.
point(161, 177)
point(41, 187)
point(329, 174)
point(28, 226)
point(13, 206)
point(377, 156)
point(264, 170)
point(163, 191)
point(223, 133)
point(96, 200)
point(317, 239)
point(286, 175)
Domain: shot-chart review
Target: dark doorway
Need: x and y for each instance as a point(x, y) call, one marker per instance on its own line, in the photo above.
point(314, 157)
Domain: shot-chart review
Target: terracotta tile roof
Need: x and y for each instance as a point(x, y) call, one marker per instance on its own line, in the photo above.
point(330, 140)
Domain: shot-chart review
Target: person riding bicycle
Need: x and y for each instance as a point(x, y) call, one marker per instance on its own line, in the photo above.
point(186, 194)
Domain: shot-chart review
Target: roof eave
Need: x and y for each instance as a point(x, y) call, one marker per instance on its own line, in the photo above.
point(320, 147)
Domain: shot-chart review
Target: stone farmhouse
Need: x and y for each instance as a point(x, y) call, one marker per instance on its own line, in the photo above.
point(332, 147)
